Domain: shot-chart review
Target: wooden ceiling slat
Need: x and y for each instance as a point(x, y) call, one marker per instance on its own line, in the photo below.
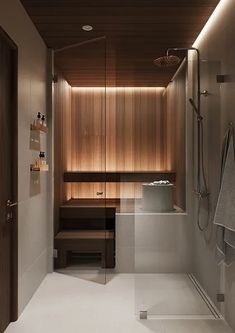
point(191, 19)
point(114, 3)
point(120, 11)
point(137, 31)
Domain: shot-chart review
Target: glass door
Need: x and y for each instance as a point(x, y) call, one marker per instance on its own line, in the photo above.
point(87, 226)
point(170, 250)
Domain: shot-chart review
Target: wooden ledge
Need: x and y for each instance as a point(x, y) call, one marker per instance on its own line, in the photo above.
point(118, 177)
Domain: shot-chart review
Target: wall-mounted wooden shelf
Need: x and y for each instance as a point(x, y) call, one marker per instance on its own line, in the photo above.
point(40, 128)
point(41, 168)
point(117, 177)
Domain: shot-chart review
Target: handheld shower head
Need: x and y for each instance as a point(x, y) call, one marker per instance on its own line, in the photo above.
point(167, 61)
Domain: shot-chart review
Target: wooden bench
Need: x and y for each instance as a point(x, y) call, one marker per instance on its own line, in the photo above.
point(85, 241)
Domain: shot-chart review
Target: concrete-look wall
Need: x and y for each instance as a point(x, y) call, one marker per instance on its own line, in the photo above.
point(34, 200)
point(217, 47)
point(174, 123)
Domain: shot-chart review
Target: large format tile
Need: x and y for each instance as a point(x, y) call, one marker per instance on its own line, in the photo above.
point(65, 304)
point(168, 294)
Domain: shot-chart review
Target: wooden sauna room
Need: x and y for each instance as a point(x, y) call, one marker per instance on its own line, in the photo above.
point(112, 134)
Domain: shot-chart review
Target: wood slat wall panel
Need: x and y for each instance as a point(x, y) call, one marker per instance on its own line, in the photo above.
point(133, 130)
point(125, 134)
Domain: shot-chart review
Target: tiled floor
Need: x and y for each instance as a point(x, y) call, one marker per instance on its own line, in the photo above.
point(169, 295)
point(64, 304)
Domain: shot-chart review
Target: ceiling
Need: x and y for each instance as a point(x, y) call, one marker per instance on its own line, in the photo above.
point(137, 31)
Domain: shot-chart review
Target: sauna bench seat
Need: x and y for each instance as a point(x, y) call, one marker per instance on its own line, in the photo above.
point(85, 241)
point(119, 177)
point(85, 234)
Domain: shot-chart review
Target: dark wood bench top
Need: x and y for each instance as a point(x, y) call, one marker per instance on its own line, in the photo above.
point(91, 203)
point(113, 177)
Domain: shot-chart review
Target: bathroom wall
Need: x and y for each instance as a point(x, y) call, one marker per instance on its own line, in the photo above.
point(34, 200)
point(217, 47)
point(174, 98)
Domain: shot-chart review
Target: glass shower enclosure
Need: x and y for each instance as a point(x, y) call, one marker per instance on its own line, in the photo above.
point(84, 235)
point(168, 244)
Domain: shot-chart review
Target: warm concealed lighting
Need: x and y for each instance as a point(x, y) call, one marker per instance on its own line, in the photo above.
point(87, 27)
point(212, 19)
point(118, 88)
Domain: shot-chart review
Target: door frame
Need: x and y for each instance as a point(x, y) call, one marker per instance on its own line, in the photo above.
point(14, 230)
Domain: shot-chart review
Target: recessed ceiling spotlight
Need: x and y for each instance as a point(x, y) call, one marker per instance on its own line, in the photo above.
point(87, 27)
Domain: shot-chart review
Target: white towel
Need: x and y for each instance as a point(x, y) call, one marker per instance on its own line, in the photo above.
point(225, 210)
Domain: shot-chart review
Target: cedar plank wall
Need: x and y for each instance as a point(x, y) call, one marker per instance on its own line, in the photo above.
point(134, 123)
point(174, 99)
point(134, 135)
point(62, 142)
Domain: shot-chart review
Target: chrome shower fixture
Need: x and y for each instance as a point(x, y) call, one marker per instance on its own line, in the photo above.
point(202, 189)
point(167, 61)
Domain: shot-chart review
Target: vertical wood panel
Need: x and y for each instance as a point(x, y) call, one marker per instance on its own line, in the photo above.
point(131, 122)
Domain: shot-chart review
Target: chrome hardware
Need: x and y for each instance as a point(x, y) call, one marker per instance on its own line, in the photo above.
point(9, 216)
point(99, 193)
point(204, 93)
point(11, 204)
point(220, 298)
point(143, 315)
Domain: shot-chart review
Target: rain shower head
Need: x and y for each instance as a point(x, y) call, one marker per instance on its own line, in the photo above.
point(167, 61)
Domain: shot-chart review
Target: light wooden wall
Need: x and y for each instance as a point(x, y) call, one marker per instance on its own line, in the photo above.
point(122, 130)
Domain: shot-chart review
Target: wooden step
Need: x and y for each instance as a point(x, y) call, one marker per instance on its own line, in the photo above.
point(85, 241)
point(74, 212)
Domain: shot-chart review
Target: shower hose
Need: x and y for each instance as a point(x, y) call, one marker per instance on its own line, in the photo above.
point(202, 188)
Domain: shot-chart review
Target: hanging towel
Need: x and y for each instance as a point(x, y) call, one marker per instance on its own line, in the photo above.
point(224, 218)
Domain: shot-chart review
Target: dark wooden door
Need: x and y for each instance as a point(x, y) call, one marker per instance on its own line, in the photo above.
point(8, 181)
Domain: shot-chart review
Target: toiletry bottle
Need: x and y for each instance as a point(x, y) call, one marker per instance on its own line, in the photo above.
point(44, 124)
point(38, 120)
point(42, 158)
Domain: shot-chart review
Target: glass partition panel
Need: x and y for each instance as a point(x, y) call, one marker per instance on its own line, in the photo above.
point(167, 283)
point(85, 239)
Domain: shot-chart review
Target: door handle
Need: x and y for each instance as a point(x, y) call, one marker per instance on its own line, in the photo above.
point(99, 193)
point(9, 213)
point(11, 204)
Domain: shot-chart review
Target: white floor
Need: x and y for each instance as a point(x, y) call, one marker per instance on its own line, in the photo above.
point(65, 304)
point(169, 295)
